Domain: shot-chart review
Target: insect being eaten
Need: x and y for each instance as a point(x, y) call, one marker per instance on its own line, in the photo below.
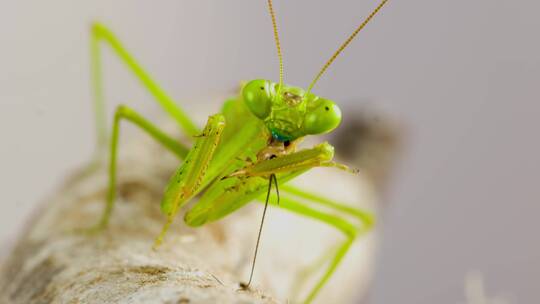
point(242, 152)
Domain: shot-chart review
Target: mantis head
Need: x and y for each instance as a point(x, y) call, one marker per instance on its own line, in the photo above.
point(289, 112)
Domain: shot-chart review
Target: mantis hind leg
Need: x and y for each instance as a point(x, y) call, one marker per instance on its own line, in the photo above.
point(101, 33)
point(291, 200)
point(124, 112)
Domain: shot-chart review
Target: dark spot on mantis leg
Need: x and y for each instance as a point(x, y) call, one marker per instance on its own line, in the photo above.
point(273, 156)
point(286, 143)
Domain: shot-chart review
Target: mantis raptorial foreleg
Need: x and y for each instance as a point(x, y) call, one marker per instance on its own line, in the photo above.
point(188, 178)
point(252, 181)
point(319, 156)
point(101, 33)
point(124, 112)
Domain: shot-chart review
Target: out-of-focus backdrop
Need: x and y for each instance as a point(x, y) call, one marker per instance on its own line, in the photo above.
point(462, 76)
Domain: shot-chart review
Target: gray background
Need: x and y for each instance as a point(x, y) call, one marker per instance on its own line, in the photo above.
point(463, 75)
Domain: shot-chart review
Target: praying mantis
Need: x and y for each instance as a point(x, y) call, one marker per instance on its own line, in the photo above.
point(245, 150)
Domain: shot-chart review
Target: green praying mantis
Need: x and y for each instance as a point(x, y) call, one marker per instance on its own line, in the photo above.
point(241, 153)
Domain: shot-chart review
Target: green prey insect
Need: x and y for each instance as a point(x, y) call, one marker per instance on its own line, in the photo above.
point(244, 150)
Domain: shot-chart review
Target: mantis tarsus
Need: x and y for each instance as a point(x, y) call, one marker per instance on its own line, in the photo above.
point(242, 152)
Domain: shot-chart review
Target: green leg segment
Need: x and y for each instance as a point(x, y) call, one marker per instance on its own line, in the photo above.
point(351, 231)
point(365, 218)
point(123, 112)
point(187, 179)
point(101, 33)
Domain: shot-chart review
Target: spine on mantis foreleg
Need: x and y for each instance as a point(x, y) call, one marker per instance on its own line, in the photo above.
point(188, 177)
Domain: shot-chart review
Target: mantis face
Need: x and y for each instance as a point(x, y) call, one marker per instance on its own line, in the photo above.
point(288, 112)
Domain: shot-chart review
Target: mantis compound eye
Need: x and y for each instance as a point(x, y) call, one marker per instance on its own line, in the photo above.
point(322, 118)
point(258, 97)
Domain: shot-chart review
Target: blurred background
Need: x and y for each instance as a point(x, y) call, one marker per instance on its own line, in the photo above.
point(462, 77)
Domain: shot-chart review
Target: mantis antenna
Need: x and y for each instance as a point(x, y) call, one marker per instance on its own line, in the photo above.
point(272, 176)
point(345, 44)
point(278, 45)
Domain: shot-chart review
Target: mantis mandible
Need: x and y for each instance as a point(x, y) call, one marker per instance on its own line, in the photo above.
point(242, 152)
